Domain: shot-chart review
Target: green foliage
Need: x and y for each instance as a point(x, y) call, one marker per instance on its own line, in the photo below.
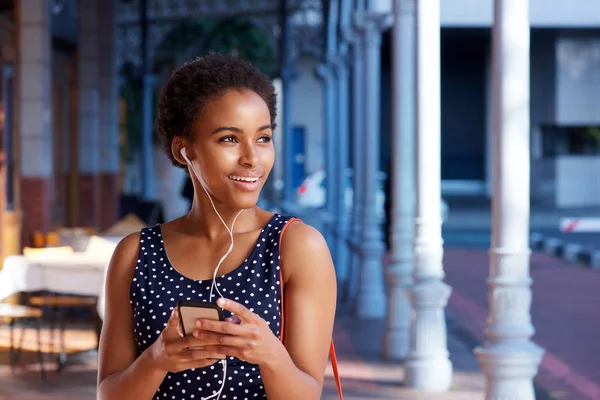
point(242, 38)
point(189, 39)
point(591, 135)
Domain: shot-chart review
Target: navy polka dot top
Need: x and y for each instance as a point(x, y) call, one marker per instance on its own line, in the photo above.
point(157, 287)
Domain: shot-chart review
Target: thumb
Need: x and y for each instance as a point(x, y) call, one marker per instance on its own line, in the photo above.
point(173, 328)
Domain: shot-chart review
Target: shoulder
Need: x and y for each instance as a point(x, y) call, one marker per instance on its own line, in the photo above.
point(303, 250)
point(124, 258)
point(300, 236)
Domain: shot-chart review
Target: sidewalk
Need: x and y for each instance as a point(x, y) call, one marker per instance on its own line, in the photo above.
point(366, 376)
point(564, 312)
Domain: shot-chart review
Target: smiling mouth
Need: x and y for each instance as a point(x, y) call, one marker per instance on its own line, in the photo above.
point(244, 179)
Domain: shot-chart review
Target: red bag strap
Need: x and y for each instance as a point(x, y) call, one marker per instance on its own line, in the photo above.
point(332, 354)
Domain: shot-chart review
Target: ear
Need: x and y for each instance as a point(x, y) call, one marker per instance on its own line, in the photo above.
point(177, 145)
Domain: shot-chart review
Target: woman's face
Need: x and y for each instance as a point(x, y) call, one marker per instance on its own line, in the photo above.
point(232, 149)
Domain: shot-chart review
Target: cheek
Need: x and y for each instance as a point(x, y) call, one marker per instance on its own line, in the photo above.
point(218, 161)
point(267, 157)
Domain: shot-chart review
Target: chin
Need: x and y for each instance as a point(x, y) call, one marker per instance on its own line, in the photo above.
point(244, 201)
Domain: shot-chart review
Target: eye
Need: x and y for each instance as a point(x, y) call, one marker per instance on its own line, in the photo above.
point(228, 139)
point(264, 139)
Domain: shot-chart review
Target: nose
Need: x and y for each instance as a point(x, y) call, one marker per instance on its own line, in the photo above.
point(249, 157)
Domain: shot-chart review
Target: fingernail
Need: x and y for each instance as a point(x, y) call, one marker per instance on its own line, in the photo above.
point(222, 302)
point(198, 324)
point(196, 333)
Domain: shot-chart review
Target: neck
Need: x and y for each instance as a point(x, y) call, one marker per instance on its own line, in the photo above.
point(203, 219)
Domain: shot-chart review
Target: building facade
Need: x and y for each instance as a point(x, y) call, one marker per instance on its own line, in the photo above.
point(565, 101)
point(60, 125)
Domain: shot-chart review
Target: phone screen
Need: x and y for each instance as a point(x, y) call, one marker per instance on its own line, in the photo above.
point(190, 311)
point(189, 314)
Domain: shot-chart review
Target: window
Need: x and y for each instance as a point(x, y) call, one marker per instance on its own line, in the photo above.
point(570, 140)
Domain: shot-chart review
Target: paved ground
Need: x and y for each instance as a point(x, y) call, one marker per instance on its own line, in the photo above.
point(565, 295)
point(76, 382)
point(564, 311)
point(364, 374)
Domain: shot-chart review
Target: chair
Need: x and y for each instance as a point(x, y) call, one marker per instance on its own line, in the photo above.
point(59, 304)
point(22, 314)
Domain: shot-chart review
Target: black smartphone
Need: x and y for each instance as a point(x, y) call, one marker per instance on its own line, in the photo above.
point(191, 310)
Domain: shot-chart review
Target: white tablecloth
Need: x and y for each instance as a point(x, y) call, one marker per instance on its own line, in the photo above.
point(74, 274)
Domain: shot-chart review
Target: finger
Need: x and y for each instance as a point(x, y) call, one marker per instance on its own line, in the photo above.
point(230, 351)
point(224, 327)
point(198, 354)
point(234, 320)
point(173, 329)
point(186, 365)
point(180, 345)
point(231, 341)
point(236, 308)
point(202, 337)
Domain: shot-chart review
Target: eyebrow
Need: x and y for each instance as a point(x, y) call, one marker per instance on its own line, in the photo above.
point(238, 130)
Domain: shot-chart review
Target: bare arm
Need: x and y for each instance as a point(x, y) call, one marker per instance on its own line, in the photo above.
point(310, 298)
point(121, 373)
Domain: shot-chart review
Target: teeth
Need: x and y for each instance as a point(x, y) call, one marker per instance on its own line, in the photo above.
point(243, 179)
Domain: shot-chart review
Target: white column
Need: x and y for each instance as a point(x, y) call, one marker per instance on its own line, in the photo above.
point(428, 366)
point(327, 73)
point(357, 159)
point(399, 272)
point(489, 146)
point(342, 162)
point(509, 359)
point(371, 301)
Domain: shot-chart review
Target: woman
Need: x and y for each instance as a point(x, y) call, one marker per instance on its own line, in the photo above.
point(215, 117)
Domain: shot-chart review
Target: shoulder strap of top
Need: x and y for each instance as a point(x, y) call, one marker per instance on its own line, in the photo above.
point(332, 355)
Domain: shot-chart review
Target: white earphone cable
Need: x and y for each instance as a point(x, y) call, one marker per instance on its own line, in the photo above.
point(214, 284)
point(218, 394)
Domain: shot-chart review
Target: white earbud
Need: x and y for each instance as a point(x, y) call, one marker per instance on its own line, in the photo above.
point(184, 154)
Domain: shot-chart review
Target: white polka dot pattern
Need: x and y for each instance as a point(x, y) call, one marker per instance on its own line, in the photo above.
point(157, 287)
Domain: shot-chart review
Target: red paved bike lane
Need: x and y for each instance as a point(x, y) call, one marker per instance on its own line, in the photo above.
point(565, 313)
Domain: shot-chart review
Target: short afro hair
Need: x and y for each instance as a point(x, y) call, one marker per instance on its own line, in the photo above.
point(199, 81)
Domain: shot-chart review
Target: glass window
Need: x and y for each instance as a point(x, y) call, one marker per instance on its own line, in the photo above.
point(570, 140)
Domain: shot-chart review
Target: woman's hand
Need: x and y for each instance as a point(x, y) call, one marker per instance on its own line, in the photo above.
point(251, 340)
point(174, 352)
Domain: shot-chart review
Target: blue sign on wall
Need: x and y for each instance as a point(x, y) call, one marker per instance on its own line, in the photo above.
point(298, 142)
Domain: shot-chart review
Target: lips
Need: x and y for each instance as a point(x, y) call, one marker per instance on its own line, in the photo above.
point(250, 179)
point(245, 183)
